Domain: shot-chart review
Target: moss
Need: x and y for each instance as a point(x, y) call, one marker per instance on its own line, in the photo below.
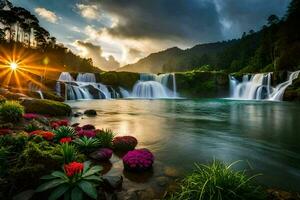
point(116, 79)
point(292, 93)
point(46, 107)
point(202, 84)
point(11, 111)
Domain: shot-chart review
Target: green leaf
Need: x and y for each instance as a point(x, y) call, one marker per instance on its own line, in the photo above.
point(93, 178)
point(92, 171)
point(59, 191)
point(88, 188)
point(76, 194)
point(59, 174)
point(48, 177)
point(67, 196)
point(50, 184)
point(86, 166)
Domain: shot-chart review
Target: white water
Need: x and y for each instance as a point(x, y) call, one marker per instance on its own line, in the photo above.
point(259, 87)
point(155, 86)
point(85, 87)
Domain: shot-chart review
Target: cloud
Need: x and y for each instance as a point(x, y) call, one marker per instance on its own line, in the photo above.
point(47, 15)
point(88, 11)
point(95, 52)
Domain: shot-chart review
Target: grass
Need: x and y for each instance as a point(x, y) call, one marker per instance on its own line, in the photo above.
point(218, 181)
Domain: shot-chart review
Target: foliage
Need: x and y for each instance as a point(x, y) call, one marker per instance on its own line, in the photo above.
point(124, 143)
point(63, 132)
point(69, 153)
point(46, 107)
point(11, 111)
point(138, 160)
point(15, 143)
point(87, 145)
point(4, 153)
point(218, 181)
point(105, 137)
point(2, 99)
point(31, 127)
point(77, 180)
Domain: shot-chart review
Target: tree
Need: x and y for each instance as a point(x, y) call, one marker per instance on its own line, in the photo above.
point(273, 19)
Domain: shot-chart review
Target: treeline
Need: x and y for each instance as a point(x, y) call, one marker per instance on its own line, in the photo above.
point(21, 34)
point(275, 47)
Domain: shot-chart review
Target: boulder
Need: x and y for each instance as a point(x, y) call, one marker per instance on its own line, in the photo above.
point(45, 107)
point(90, 112)
point(103, 154)
point(111, 183)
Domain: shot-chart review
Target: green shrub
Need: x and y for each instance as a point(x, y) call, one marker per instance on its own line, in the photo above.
point(75, 186)
point(11, 111)
point(69, 153)
point(64, 131)
point(4, 153)
point(87, 145)
point(15, 142)
point(105, 137)
point(218, 181)
point(46, 107)
point(32, 127)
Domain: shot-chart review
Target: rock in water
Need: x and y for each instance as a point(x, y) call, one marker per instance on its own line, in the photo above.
point(90, 112)
point(112, 182)
point(103, 154)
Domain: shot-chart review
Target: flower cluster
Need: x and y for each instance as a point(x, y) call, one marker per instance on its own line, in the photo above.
point(73, 168)
point(87, 133)
point(5, 131)
point(124, 143)
point(88, 127)
point(65, 140)
point(138, 160)
point(30, 116)
point(59, 123)
point(47, 135)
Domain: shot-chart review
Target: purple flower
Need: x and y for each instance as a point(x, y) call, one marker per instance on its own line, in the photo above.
point(87, 133)
point(138, 160)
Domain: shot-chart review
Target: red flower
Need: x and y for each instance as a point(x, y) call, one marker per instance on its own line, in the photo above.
point(65, 140)
point(5, 131)
point(45, 134)
point(48, 135)
point(56, 124)
point(29, 116)
point(73, 168)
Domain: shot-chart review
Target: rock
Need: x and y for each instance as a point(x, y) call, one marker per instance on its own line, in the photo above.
point(162, 181)
point(75, 125)
point(90, 112)
point(171, 172)
point(45, 107)
point(111, 183)
point(103, 154)
point(281, 195)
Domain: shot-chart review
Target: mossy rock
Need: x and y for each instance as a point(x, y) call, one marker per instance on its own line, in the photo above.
point(292, 93)
point(47, 95)
point(116, 79)
point(46, 107)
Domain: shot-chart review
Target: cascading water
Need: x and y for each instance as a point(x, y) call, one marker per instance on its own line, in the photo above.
point(155, 86)
point(85, 87)
point(259, 87)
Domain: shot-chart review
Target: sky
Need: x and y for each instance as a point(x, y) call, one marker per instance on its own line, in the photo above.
point(118, 32)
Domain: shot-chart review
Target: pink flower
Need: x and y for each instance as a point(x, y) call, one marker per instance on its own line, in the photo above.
point(30, 116)
point(124, 143)
point(138, 160)
point(87, 133)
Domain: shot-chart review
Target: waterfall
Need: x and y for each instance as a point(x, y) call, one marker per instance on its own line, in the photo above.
point(259, 87)
point(40, 93)
point(280, 89)
point(85, 87)
point(124, 93)
point(155, 86)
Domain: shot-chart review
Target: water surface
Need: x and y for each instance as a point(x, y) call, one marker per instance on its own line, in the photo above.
point(265, 135)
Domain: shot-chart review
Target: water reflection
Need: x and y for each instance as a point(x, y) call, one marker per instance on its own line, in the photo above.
point(181, 132)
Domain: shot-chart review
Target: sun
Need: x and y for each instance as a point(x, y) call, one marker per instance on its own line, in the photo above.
point(13, 65)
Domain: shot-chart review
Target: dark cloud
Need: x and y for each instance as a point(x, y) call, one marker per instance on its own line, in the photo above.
point(248, 14)
point(95, 52)
point(189, 20)
point(193, 20)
